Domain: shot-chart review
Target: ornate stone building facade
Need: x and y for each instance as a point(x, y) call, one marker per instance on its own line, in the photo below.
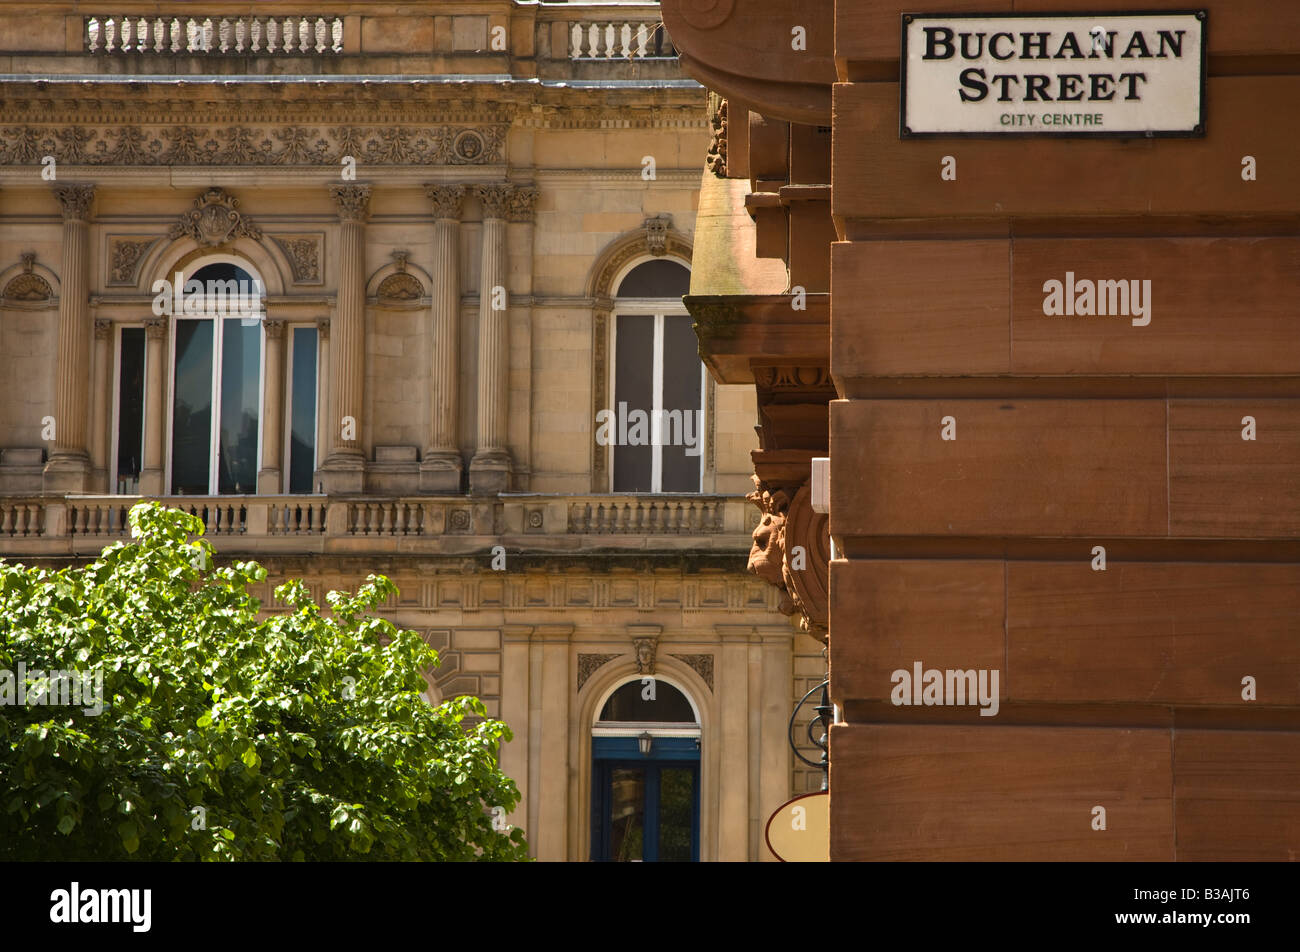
point(464, 229)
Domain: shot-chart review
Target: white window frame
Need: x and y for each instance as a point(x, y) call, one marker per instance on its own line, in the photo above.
point(658, 308)
point(214, 424)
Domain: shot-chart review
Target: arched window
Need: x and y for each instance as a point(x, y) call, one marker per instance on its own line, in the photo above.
point(656, 423)
point(646, 775)
point(216, 384)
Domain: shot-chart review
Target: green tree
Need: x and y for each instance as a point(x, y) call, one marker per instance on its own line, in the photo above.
point(301, 736)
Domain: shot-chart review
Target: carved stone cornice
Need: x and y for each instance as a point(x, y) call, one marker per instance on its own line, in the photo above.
point(284, 144)
point(495, 199)
point(352, 202)
point(446, 200)
point(215, 220)
point(74, 200)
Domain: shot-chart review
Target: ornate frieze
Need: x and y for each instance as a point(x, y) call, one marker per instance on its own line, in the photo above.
point(241, 145)
point(214, 220)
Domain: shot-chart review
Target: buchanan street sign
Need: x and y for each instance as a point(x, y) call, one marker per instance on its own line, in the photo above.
point(1078, 74)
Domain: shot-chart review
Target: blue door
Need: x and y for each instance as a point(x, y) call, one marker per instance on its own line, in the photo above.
point(645, 807)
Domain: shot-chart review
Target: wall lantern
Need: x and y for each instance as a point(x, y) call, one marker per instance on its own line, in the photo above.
point(643, 742)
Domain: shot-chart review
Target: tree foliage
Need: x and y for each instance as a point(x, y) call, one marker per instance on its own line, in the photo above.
point(300, 736)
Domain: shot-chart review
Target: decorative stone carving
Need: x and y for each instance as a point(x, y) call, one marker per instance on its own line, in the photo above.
point(274, 329)
point(103, 327)
point(199, 144)
point(521, 203)
point(28, 286)
point(155, 328)
point(802, 579)
point(459, 520)
point(215, 220)
point(446, 200)
point(588, 665)
point(400, 286)
point(75, 201)
point(125, 255)
point(717, 158)
point(656, 235)
point(323, 328)
point(304, 254)
point(495, 199)
point(701, 664)
point(787, 377)
point(352, 202)
point(645, 654)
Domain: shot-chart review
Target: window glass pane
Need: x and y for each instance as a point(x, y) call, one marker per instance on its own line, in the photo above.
point(662, 278)
point(631, 703)
point(130, 409)
point(241, 365)
point(192, 408)
point(302, 426)
point(627, 815)
point(629, 430)
point(676, 811)
point(683, 423)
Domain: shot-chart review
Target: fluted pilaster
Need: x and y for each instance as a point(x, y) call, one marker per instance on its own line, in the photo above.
point(345, 465)
point(490, 467)
point(69, 467)
point(155, 359)
point(441, 468)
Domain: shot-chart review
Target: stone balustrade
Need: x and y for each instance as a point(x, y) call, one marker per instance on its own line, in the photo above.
point(231, 35)
point(81, 525)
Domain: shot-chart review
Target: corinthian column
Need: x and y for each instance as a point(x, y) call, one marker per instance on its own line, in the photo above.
point(69, 467)
point(151, 475)
point(344, 468)
point(440, 471)
point(489, 470)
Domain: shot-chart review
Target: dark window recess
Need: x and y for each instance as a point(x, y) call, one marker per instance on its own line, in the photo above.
point(683, 423)
point(192, 408)
point(633, 390)
point(130, 410)
point(661, 278)
point(302, 425)
point(629, 703)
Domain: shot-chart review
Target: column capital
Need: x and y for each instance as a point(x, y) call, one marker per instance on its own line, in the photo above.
point(75, 201)
point(155, 328)
point(103, 327)
point(446, 200)
point(495, 199)
point(274, 329)
point(323, 327)
point(353, 202)
point(522, 203)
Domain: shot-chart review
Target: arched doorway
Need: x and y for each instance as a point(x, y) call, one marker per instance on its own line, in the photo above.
point(646, 775)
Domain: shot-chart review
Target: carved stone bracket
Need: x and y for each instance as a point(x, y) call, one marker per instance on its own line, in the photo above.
point(792, 551)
